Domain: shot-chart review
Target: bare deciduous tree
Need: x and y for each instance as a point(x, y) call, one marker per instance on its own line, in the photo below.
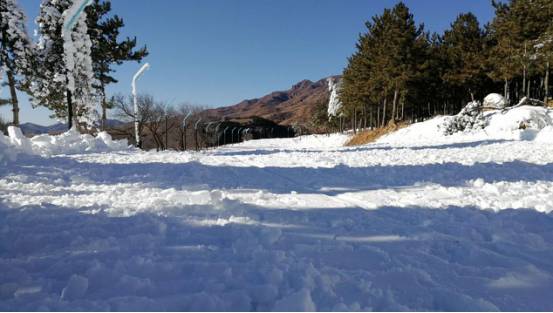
point(124, 110)
point(182, 110)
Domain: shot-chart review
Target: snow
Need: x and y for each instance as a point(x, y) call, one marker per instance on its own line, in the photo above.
point(494, 100)
point(70, 142)
point(416, 221)
point(71, 71)
point(520, 123)
point(334, 103)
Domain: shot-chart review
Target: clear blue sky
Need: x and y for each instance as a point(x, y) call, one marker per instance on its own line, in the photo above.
point(219, 52)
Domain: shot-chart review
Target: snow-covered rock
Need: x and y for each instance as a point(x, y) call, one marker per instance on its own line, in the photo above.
point(494, 100)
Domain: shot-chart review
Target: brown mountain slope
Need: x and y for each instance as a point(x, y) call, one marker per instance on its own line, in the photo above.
point(295, 105)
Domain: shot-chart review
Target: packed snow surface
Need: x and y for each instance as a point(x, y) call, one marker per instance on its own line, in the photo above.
point(417, 221)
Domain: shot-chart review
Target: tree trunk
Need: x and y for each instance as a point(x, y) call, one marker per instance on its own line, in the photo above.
point(394, 105)
point(377, 116)
point(506, 90)
point(104, 114)
point(166, 134)
point(546, 84)
point(524, 80)
point(354, 121)
point(364, 116)
point(402, 107)
point(384, 112)
point(13, 94)
point(528, 88)
point(69, 109)
point(104, 107)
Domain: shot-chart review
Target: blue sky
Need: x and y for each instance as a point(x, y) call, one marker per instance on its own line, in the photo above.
point(219, 52)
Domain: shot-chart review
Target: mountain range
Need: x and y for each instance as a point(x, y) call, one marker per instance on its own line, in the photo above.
point(35, 129)
point(295, 105)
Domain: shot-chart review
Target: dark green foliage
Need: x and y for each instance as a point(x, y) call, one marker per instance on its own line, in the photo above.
point(320, 122)
point(463, 47)
point(107, 49)
point(399, 72)
point(389, 62)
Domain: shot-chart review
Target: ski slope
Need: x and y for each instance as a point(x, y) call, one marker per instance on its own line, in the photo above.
point(416, 221)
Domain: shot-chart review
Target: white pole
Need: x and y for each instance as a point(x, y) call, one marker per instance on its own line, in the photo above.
point(135, 101)
point(75, 11)
point(185, 118)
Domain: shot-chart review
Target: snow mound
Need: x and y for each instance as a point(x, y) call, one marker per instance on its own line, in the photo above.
point(6, 153)
point(70, 142)
point(494, 100)
point(519, 123)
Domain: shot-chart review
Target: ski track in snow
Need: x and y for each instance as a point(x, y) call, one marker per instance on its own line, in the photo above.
point(282, 224)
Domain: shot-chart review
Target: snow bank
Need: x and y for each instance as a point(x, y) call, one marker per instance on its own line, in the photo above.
point(520, 123)
point(6, 152)
point(70, 142)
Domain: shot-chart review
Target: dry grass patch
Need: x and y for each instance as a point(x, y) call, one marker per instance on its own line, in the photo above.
point(368, 136)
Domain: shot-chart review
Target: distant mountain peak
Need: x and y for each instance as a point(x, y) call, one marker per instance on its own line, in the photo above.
point(295, 105)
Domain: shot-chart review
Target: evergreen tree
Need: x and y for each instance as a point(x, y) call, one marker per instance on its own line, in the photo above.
point(389, 58)
point(464, 46)
point(518, 24)
point(16, 51)
point(65, 78)
point(107, 50)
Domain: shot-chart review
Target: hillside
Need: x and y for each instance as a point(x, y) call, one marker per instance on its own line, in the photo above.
point(295, 105)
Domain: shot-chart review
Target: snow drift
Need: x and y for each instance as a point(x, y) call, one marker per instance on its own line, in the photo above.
point(70, 142)
point(519, 123)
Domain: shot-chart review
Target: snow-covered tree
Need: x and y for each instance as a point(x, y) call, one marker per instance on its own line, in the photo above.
point(108, 48)
point(65, 83)
point(16, 51)
point(334, 103)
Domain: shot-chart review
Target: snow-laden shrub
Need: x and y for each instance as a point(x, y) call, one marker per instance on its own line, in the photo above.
point(470, 118)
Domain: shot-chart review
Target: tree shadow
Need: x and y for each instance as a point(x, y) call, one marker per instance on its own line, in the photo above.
point(333, 180)
point(364, 148)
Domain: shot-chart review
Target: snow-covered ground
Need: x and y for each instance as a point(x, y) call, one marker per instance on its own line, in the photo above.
point(416, 221)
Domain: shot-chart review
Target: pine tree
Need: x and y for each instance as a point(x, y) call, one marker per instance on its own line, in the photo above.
point(389, 58)
point(518, 24)
point(65, 78)
point(464, 46)
point(107, 50)
point(16, 51)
